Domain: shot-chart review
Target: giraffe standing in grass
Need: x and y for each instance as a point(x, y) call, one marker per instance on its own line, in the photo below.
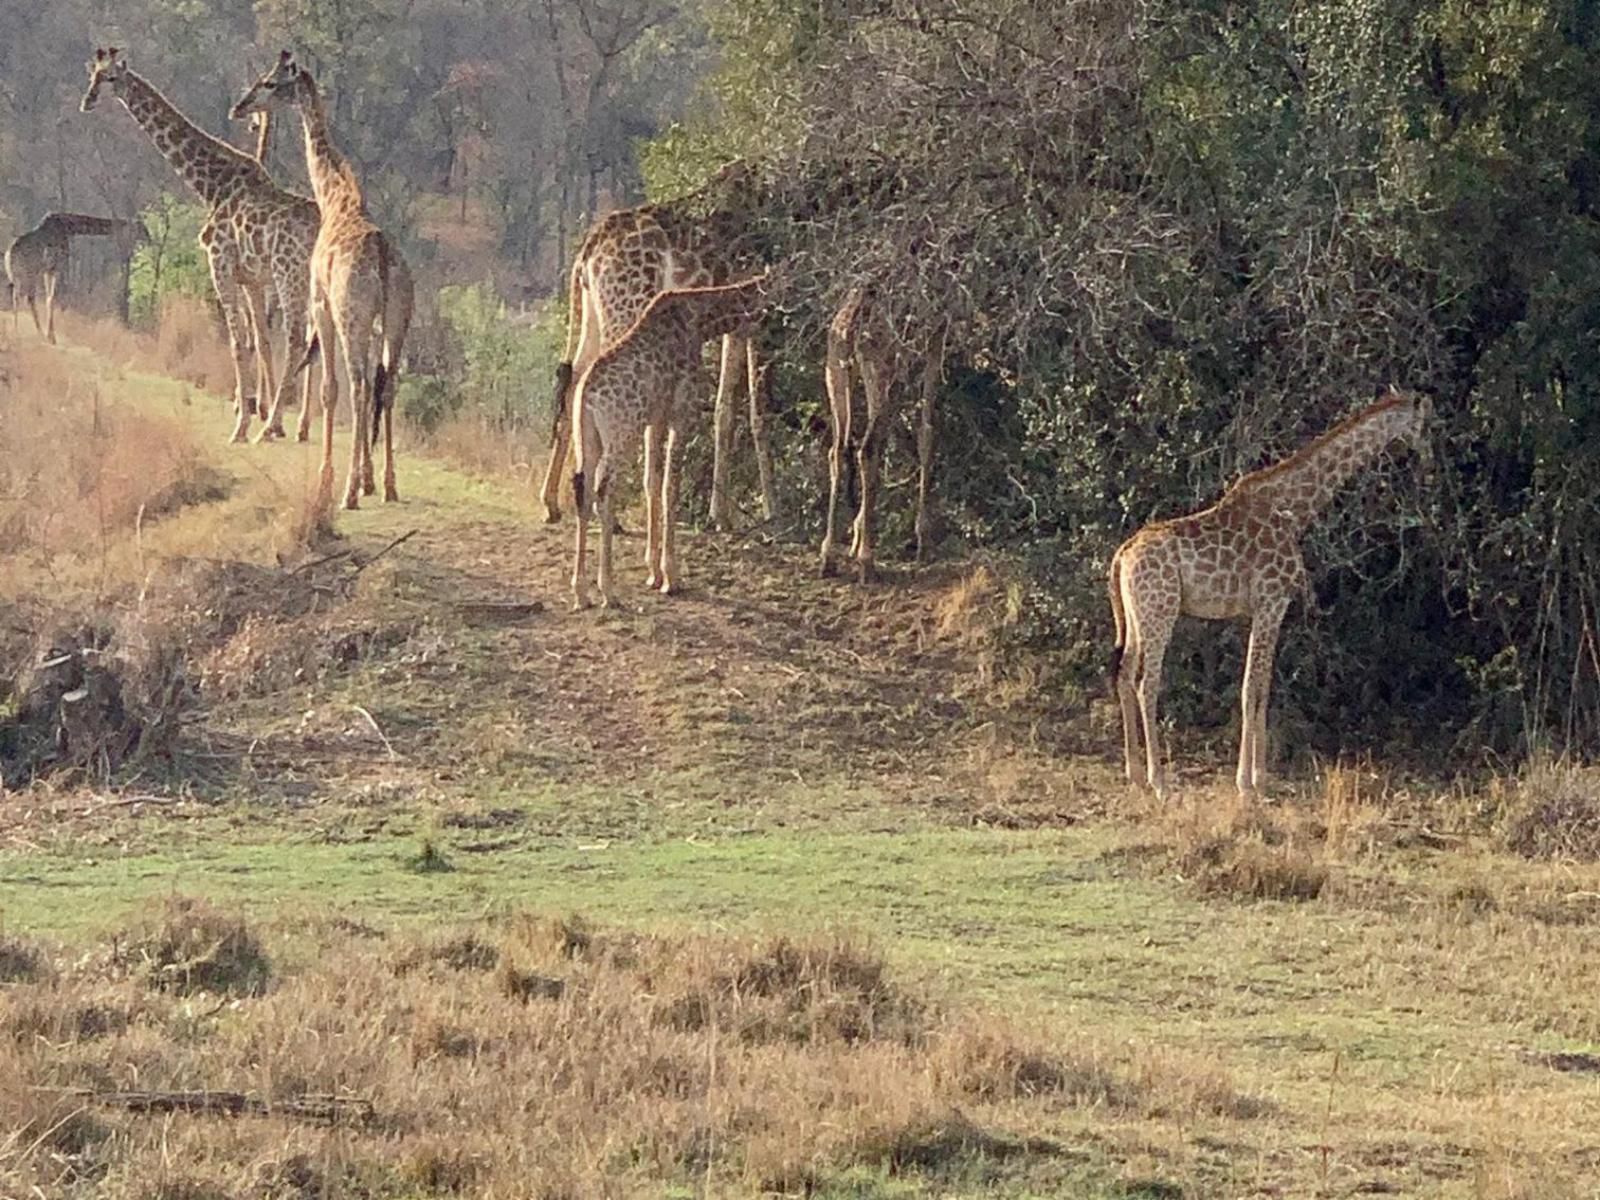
point(1238, 558)
point(256, 237)
point(863, 343)
point(629, 257)
point(261, 123)
point(358, 281)
point(37, 259)
point(638, 387)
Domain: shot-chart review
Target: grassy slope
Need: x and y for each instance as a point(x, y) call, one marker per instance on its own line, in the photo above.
point(772, 752)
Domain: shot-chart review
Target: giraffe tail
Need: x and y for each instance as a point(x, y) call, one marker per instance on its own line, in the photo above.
point(558, 408)
point(313, 348)
point(1120, 619)
point(398, 296)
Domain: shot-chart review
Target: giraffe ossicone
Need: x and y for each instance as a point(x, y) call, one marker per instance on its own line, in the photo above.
point(1240, 558)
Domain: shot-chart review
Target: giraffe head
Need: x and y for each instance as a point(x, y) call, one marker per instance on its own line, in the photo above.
point(106, 67)
point(278, 88)
point(1415, 412)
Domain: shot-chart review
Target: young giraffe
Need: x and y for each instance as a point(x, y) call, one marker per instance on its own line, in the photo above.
point(358, 279)
point(1238, 558)
point(638, 386)
point(629, 257)
point(861, 338)
point(36, 260)
point(257, 236)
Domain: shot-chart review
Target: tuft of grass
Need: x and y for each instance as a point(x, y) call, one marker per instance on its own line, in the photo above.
point(21, 961)
point(188, 945)
point(787, 990)
point(1255, 871)
point(465, 951)
point(529, 985)
point(429, 859)
point(1553, 812)
point(1226, 845)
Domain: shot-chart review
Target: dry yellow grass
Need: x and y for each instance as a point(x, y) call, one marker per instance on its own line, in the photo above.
point(639, 1062)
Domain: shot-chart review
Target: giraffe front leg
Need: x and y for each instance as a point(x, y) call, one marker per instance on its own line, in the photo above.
point(652, 504)
point(330, 399)
point(356, 339)
point(722, 432)
point(292, 308)
point(225, 283)
point(837, 378)
point(871, 460)
point(758, 431)
point(672, 470)
point(50, 309)
point(255, 308)
point(932, 375)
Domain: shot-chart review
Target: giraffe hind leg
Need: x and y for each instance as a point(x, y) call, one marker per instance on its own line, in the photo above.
point(1151, 658)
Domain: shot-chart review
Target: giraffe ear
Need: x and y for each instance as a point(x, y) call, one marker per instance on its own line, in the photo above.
point(115, 52)
point(285, 57)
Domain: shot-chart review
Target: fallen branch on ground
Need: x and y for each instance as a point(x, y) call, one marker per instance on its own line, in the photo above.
point(310, 1108)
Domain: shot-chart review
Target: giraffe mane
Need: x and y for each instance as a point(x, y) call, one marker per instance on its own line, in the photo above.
point(1320, 442)
point(226, 148)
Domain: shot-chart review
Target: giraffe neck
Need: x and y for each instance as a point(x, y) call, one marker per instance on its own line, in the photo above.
point(720, 310)
point(1303, 485)
point(214, 169)
point(333, 180)
point(81, 225)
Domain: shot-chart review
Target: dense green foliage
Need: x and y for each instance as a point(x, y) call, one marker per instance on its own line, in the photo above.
point(170, 261)
point(494, 366)
point(1176, 239)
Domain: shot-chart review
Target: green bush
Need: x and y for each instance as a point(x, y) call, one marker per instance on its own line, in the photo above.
point(171, 261)
point(503, 368)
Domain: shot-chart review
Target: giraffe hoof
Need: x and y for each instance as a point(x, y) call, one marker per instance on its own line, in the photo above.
point(302, 435)
point(652, 581)
point(352, 502)
point(828, 570)
point(552, 514)
point(391, 495)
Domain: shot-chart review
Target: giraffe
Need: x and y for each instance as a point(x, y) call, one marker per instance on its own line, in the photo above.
point(862, 341)
point(261, 123)
point(1238, 558)
point(358, 279)
point(625, 260)
point(36, 260)
point(257, 236)
point(634, 388)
